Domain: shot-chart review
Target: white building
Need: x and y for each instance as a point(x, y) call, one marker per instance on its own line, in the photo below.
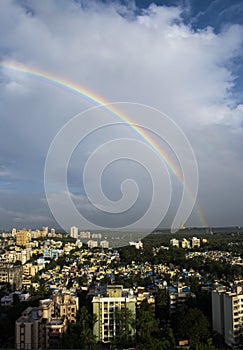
point(42, 327)
point(227, 314)
point(185, 243)
point(74, 232)
point(195, 242)
point(85, 235)
point(137, 245)
point(14, 231)
point(96, 236)
point(79, 244)
point(174, 242)
point(107, 308)
point(92, 244)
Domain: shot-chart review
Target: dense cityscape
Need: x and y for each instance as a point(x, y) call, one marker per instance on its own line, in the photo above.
point(72, 291)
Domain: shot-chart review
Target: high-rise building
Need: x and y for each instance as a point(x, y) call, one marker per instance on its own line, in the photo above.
point(74, 232)
point(22, 238)
point(11, 274)
point(227, 313)
point(34, 331)
point(43, 326)
point(45, 229)
point(107, 308)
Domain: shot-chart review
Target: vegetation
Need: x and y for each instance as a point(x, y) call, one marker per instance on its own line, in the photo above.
point(80, 335)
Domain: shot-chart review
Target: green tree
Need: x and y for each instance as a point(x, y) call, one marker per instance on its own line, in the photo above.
point(162, 306)
point(86, 321)
point(192, 324)
point(125, 328)
point(80, 335)
point(147, 325)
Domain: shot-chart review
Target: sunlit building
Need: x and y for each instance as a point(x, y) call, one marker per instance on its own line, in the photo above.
point(74, 232)
point(107, 308)
point(195, 242)
point(22, 238)
point(42, 327)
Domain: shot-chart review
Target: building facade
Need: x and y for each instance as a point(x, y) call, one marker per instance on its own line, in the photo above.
point(12, 274)
point(195, 242)
point(227, 314)
point(74, 232)
point(22, 238)
point(178, 294)
point(42, 327)
point(108, 310)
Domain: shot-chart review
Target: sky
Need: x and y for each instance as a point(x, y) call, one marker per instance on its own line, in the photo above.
point(181, 58)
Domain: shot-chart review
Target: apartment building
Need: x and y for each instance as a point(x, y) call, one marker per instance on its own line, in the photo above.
point(43, 326)
point(227, 313)
point(11, 274)
point(195, 242)
point(106, 309)
point(174, 242)
point(74, 232)
point(84, 235)
point(179, 294)
point(22, 238)
point(92, 244)
point(27, 328)
point(66, 305)
point(34, 330)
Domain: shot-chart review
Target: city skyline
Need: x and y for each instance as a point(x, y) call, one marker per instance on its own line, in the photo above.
point(179, 57)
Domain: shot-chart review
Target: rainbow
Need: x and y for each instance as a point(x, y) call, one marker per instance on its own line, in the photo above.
point(94, 99)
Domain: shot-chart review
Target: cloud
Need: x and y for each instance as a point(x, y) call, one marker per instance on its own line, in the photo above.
point(148, 56)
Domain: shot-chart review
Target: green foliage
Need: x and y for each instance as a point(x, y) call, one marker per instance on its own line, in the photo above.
point(8, 316)
point(162, 306)
point(125, 328)
point(147, 326)
point(191, 324)
point(80, 335)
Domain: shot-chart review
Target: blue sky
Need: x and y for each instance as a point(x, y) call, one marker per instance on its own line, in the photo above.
point(183, 58)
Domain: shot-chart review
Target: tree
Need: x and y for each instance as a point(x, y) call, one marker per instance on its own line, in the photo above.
point(86, 321)
point(125, 328)
point(80, 335)
point(191, 323)
point(162, 307)
point(146, 323)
